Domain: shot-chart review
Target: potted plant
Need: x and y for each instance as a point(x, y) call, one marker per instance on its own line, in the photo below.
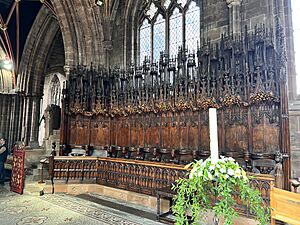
point(210, 188)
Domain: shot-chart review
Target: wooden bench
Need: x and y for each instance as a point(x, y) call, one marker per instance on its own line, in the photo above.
point(285, 206)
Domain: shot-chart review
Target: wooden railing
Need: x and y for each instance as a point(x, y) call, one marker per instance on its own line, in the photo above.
point(73, 168)
point(138, 176)
point(133, 175)
point(261, 182)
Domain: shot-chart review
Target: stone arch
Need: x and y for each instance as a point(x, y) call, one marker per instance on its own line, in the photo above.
point(80, 27)
point(32, 67)
point(35, 54)
point(131, 21)
point(82, 32)
point(52, 81)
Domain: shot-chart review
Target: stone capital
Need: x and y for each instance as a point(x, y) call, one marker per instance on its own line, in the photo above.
point(67, 68)
point(231, 3)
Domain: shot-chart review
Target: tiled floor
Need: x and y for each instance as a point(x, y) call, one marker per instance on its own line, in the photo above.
point(62, 209)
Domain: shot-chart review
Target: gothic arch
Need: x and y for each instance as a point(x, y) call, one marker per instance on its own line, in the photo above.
point(80, 23)
point(134, 12)
point(131, 23)
point(36, 49)
point(54, 83)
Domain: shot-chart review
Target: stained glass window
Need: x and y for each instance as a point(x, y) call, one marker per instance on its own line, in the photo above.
point(178, 15)
point(182, 2)
point(151, 12)
point(192, 27)
point(175, 32)
point(167, 3)
point(145, 40)
point(158, 37)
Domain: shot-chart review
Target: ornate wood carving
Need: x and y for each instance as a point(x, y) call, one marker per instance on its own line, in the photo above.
point(18, 175)
point(165, 105)
point(137, 176)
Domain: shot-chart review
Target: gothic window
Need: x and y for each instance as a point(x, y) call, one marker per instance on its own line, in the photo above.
point(175, 32)
point(145, 40)
point(167, 25)
point(192, 27)
point(158, 36)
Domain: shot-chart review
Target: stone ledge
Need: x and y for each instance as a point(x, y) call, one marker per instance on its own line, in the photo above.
point(123, 195)
point(128, 196)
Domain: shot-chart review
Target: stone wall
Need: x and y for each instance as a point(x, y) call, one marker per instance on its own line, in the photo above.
point(295, 138)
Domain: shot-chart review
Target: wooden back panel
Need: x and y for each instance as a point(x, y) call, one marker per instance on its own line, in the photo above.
point(285, 206)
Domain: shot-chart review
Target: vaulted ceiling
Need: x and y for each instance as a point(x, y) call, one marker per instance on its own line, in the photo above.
point(28, 10)
point(9, 41)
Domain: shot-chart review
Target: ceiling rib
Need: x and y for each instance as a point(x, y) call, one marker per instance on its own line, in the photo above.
point(6, 42)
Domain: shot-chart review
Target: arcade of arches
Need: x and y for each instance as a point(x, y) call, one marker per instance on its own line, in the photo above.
point(141, 75)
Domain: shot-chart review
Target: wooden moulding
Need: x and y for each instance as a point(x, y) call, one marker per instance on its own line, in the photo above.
point(265, 177)
point(128, 161)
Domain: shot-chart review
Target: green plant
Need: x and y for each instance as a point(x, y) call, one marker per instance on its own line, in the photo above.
point(214, 187)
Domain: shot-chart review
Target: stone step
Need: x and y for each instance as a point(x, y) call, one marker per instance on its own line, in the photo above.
point(123, 206)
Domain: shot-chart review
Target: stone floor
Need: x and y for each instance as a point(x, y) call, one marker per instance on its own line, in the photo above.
point(49, 209)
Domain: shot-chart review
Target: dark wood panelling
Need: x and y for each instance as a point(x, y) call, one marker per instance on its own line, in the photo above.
point(146, 109)
point(99, 133)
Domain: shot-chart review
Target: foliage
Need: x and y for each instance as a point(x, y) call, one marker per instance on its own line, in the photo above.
point(212, 187)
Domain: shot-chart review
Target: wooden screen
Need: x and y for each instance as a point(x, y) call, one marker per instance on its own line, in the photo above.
point(165, 105)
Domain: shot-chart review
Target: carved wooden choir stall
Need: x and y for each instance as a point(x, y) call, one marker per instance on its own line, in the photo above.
point(151, 118)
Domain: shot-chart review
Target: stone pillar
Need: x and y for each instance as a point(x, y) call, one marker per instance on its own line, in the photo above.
point(25, 119)
point(67, 69)
point(234, 16)
point(31, 113)
point(107, 46)
point(35, 116)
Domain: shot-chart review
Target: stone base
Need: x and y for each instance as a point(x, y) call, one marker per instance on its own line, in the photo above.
point(127, 196)
point(123, 195)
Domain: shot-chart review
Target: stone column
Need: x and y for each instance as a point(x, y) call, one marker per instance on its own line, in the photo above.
point(107, 46)
point(234, 16)
point(67, 69)
point(26, 108)
point(35, 116)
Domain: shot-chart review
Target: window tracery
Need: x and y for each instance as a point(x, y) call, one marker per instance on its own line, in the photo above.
point(166, 25)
